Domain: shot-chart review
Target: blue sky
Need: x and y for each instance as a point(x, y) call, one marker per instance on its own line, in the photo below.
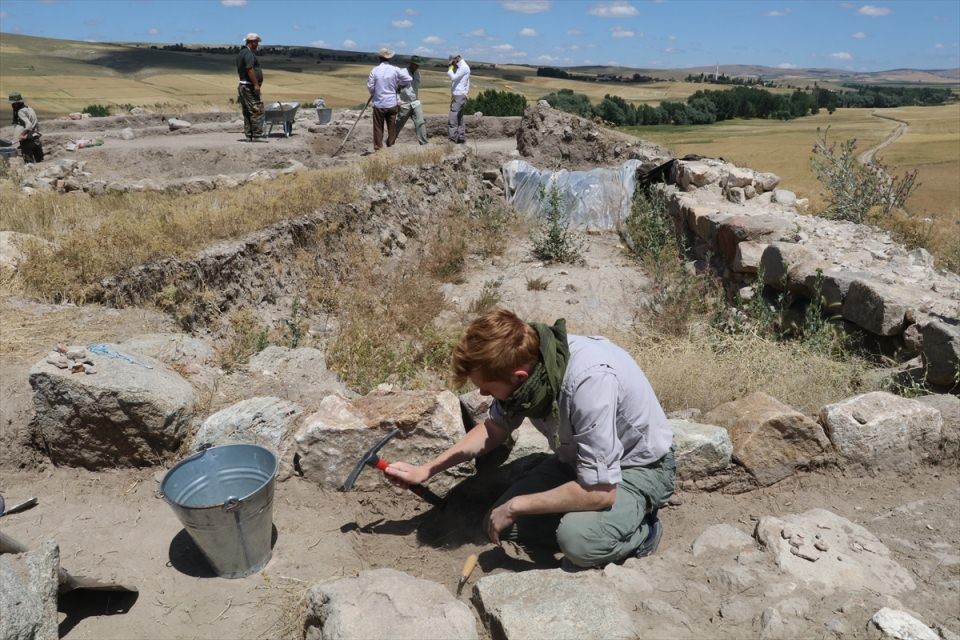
point(863, 36)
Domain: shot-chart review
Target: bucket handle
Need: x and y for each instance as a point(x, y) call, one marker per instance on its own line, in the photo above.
point(232, 503)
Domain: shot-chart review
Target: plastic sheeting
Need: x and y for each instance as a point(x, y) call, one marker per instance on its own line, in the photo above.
point(595, 199)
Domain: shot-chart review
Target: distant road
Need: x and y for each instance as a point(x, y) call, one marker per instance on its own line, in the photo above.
point(867, 156)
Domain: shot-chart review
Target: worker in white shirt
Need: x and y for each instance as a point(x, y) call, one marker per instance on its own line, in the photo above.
point(383, 83)
point(459, 74)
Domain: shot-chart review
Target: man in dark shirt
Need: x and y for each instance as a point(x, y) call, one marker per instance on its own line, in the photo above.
point(251, 78)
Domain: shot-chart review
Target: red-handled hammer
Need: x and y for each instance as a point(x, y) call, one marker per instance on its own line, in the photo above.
point(370, 458)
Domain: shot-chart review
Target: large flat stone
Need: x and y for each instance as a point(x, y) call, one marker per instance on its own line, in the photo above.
point(124, 415)
point(770, 439)
point(748, 257)
point(881, 430)
point(331, 441)
point(264, 421)
point(949, 407)
point(385, 603)
point(552, 604)
point(777, 259)
point(855, 559)
point(700, 449)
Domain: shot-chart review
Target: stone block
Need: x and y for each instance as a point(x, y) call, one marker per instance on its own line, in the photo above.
point(384, 603)
point(770, 439)
point(881, 430)
point(748, 256)
point(765, 181)
point(737, 229)
point(941, 352)
point(264, 421)
point(700, 449)
point(874, 307)
point(784, 197)
point(891, 624)
point(777, 259)
point(28, 593)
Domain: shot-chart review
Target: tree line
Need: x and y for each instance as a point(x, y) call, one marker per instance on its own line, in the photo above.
point(555, 72)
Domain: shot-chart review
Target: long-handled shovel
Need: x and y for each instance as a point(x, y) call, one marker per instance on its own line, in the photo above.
point(340, 148)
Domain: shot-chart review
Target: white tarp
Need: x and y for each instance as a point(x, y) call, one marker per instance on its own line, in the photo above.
point(595, 199)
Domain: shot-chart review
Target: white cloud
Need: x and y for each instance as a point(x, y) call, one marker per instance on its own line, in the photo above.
point(402, 24)
point(234, 3)
point(502, 47)
point(546, 58)
point(786, 65)
point(620, 32)
point(349, 44)
point(870, 10)
point(847, 5)
point(939, 45)
point(153, 31)
point(297, 27)
point(672, 50)
point(527, 32)
point(433, 40)
point(574, 32)
point(619, 9)
point(778, 13)
point(841, 55)
point(859, 35)
point(476, 33)
point(526, 6)
point(671, 38)
point(423, 51)
point(410, 12)
point(318, 43)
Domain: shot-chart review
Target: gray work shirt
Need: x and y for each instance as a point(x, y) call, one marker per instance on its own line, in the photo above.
point(609, 418)
point(411, 93)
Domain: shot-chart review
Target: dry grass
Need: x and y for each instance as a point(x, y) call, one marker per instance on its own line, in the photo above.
point(96, 238)
point(705, 370)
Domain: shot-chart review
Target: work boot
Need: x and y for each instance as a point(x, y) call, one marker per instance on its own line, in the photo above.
point(652, 541)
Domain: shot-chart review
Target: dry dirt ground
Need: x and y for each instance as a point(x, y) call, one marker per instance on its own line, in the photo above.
point(112, 524)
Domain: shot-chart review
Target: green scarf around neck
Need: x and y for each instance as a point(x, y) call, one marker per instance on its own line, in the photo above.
point(537, 396)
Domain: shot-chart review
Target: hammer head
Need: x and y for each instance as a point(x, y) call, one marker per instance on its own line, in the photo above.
point(370, 457)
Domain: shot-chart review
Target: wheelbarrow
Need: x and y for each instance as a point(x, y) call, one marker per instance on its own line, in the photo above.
point(282, 113)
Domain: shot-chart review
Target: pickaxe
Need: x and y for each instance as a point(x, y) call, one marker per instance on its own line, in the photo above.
point(372, 459)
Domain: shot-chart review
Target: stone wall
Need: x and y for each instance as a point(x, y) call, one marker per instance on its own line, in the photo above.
point(738, 220)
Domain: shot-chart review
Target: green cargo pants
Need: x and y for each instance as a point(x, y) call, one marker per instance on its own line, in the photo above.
point(591, 538)
point(252, 108)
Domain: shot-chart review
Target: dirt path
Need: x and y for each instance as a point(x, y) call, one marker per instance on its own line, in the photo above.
point(867, 156)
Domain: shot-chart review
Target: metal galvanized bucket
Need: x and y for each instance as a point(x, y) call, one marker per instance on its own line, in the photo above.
point(223, 496)
point(324, 115)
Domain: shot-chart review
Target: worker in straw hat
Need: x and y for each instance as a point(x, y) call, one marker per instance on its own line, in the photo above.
point(27, 129)
point(459, 74)
point(410, 102)
point(383, 83)
point(248, 92)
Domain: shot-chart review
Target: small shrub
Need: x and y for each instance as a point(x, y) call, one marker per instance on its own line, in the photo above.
point(537, 284)
point(489, 297)
point(97, 110)
point(553, 239)
point(491, 221)
point(854, 190)
point(648, 230)
point(294, 326)
point(248, 337)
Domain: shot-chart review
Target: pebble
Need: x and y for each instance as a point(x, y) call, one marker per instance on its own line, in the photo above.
point(821, 545)
point(787, 532)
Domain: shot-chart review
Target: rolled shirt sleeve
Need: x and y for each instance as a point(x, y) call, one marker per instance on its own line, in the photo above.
point(371, 81)
point(594, 423)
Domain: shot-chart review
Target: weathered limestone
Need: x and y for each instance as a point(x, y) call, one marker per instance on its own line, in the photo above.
point(171, 348)
point(125, 415)
point(748, 257)
point(874, 307)
point(777, 260)
point(770, 439)
point(28, 593)
point(265, 421)
point(890, 624)
point(176, 124)
point(784, 197)
point(721, 537)
point(330, 441)
point(881, 430)
point(700, 449)
point(941, 352)
point(854, 558)
point(552, 604)
point(695, 175)
point(737, 229)
point(385, 603)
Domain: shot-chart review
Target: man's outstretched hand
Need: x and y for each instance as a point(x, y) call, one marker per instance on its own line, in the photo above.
point(500, 518)
point(403, 474)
